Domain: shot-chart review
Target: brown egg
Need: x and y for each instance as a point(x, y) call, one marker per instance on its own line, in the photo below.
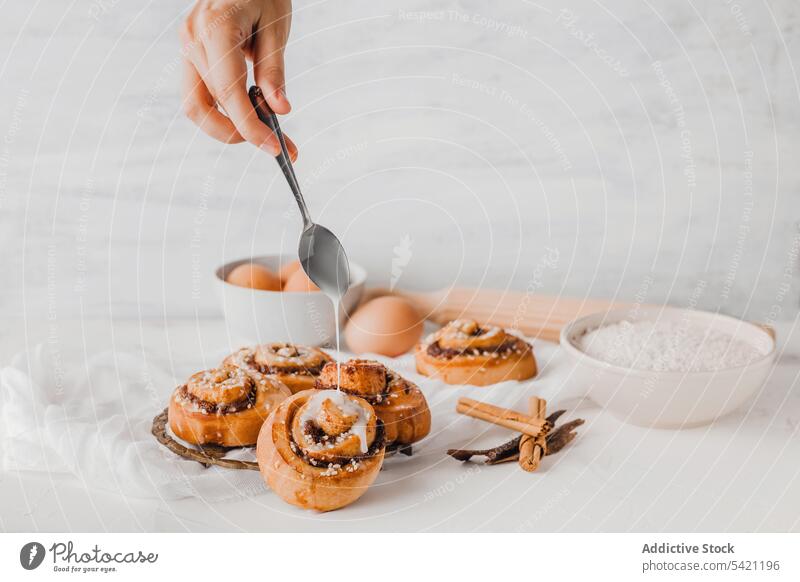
point(386, 325)
point(255, 277)
point(299, 281)
point(288, 270)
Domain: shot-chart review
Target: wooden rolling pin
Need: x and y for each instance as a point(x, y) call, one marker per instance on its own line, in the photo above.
point(536, 316)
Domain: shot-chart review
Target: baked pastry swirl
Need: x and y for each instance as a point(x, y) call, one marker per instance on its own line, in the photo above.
point(296, 366)
point(464, 352)
point(223, 406)
point(321, 449)
point(397, 402)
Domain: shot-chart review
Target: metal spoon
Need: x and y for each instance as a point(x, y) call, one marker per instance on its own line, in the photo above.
point(321, 254)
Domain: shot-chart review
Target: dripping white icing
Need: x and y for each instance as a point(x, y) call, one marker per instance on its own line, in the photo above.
point(328, 282)
point(336, 300)
point(348, 408)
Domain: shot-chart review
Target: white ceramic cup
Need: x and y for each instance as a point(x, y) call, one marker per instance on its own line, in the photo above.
point(255, 316)
point(666, 399)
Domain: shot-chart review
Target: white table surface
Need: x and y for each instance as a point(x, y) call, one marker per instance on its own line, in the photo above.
point(739, 474)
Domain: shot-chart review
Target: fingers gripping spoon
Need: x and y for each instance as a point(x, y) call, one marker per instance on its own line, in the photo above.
point(321, 254)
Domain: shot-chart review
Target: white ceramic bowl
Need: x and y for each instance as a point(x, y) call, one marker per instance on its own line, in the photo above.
point(255, 316)
point(667, 399)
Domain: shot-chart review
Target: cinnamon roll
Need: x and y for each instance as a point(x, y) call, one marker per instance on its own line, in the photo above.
point(296, 366)
point(321, 449)
point(397, 402)
point(464, 352)
point(224, 406)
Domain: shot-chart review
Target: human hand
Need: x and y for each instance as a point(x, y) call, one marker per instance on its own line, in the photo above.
point(219, 37)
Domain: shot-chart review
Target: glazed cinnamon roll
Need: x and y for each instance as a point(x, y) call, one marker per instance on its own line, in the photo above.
point(321, 449)
point(224, 406)
point(296, 366)
point(464, 352)
point(397, 402)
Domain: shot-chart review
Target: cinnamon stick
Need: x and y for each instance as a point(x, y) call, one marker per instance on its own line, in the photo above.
point(540, 446)
point(531, 448)
point(501, 416)
point(554, 445)
point(563, 435)
point(506, 449)
point(498, 452)
point(509, 459)
point(509, 451)
point(555, 416)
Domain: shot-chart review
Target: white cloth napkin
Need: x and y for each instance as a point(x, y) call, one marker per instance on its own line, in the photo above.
point(92, 416)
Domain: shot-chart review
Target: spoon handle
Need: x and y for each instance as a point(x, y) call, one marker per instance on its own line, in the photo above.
point(268, 117)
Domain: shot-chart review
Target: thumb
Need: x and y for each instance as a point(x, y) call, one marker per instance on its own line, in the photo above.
point(268, 72)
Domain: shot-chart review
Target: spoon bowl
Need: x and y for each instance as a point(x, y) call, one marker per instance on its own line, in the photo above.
point(324, 260)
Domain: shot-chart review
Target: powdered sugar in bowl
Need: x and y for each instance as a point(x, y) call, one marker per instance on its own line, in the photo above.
point(667, 367)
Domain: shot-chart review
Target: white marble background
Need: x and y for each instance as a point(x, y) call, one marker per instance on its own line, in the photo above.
point(652, 145)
